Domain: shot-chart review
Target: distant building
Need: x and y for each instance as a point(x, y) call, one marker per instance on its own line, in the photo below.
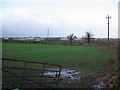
point(64, 38)
point(78, 39)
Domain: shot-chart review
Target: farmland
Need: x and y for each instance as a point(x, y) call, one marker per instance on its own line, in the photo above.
point(84, 58)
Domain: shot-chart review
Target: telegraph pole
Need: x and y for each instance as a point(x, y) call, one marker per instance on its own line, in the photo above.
point(108, 17)
point(48, 35)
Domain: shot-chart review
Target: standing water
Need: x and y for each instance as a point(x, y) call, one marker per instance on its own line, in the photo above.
point(65, 73)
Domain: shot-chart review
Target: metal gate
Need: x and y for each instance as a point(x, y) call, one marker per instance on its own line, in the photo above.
point(29, 74)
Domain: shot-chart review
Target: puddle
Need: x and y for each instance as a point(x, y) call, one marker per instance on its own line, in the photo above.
point(65, 73)
point(16, 89)
point(97, 86)
point(100, 85)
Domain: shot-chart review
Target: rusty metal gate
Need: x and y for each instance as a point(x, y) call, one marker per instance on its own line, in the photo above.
point(29, 74)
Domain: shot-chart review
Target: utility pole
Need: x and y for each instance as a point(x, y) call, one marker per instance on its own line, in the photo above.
point(108, 17)
point(48, 35)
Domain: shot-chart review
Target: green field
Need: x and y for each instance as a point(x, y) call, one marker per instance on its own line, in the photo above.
point(74, 57)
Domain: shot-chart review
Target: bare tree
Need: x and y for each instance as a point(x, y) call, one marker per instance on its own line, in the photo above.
point(88, 36)
point(71, 37)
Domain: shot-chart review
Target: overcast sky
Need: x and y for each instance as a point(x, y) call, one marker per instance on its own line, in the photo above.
point(62, 17)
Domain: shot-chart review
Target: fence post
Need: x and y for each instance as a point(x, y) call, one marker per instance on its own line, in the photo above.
point(42, 75)
point(59, 75)
point(23, 74)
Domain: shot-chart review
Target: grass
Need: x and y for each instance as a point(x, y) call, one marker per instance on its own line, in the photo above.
point(83, 58)
point(88, 58)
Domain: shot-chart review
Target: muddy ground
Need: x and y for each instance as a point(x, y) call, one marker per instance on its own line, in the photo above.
point(106, 77)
